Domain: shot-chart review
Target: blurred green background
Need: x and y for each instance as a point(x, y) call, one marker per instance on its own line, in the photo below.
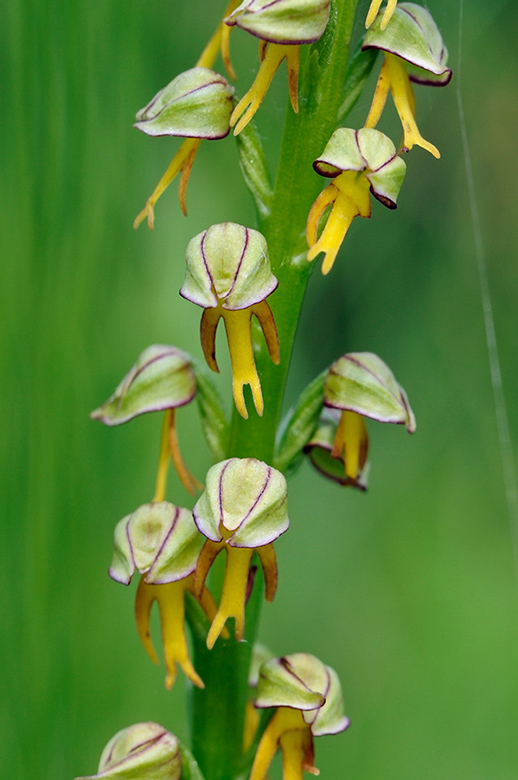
point(409, 591)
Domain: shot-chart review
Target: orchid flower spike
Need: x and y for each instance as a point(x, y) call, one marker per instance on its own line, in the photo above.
point(196, 105)
point(228, 274)
point(414, 51)
point(142, 750)
point(308, 699)
point(242, 511)
point(282, 26)
point(359, 162)
point(359, 385)
point(161, 380)
point(161, 541)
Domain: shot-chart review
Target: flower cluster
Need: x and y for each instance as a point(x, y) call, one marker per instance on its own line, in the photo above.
point(359, 161)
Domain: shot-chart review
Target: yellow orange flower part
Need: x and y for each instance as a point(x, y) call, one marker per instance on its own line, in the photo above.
point(387, 14)
point(220, 42)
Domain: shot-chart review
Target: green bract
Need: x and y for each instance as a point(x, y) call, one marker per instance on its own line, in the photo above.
point(302, 682)
point(145, 750)
point(319, 449)
point(368, 151)
point(282, 21)
point(196, 104)
point(361, 382)
point(228, 263)
point(245, 497)
point(413, 35)
point(160, 379)
point(299, 424)
point(158, 539)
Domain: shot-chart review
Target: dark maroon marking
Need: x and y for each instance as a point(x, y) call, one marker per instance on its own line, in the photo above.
point(359, 363)
point(166, 537)
point(286, 665)
point(375, 170)
point(202, 250)
point(141, 747)
point(171, 353)
point(359, 149)
point(406, 11)
point(261, 492)
point(240, 262)
point(220, 493)
point(131, 547)
point(176, 99)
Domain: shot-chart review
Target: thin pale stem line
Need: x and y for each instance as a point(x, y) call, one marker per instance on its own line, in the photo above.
point(502, 419)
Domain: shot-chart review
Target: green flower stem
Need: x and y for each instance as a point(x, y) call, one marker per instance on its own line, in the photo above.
point(218, 710)
point(216, 730)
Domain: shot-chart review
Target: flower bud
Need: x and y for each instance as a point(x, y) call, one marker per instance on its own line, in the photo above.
point(301, 681)
point(244, 503)
point(368, 152)
point(162, 378)
point(228, 264)
point(143, 750)
point(282, 27)
point(159, 540)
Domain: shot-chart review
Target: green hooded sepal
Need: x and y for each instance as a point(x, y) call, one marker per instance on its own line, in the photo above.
point(159, 540)
point(196, 104)
point(413, 36)
point(145, 750)
point(361, 382)
point(162, 378)
point(302, 682)
point(245, 500)
point(282, 21)
point(228, 263)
